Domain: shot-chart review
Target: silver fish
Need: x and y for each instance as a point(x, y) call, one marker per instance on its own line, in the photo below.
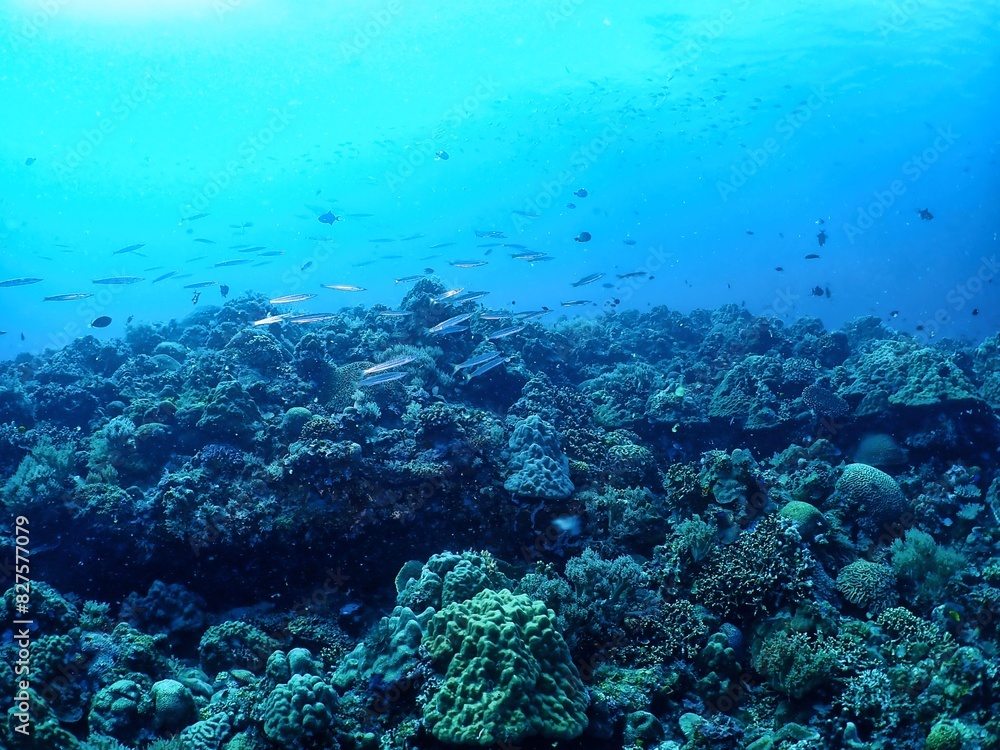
point(311, 318)
point(449, 330)
point(165, 276)
point(588, 279)
point(68, 297)
point(343, 287)
point(389, 365)
point(447, 295)
point(237, 262)
point(18, 282)
point(467, 263)
point(486, 368)
point(450, 323)
point(119, 280)
point(385, 377)
point(576, 303)
point(270, 319)
point(477, 360)
point(505, 332)
point(200, 284)
point(395, 313)
point(408, 279)
point(130, 248)
point(289, 299)
point(468, 297)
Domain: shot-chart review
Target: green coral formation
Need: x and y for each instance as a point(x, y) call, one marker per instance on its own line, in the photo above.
point(508, 673)
point(300, 710)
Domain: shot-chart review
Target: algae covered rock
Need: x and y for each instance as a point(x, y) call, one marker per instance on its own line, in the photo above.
point(508, 673)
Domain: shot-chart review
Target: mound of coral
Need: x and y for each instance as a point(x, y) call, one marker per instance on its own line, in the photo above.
point(645, 530)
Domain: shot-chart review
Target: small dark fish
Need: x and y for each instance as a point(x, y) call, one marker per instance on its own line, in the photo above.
point(817, 291)
point(779, 268)
point(165, 276)
point(925, 214)
point(628, 241)
point(200, 284)
point(583, 237)
point(102, 322)
point(204, 241)
point(18, 282)
point(820, 222)
point(428, 270)
point(827, 291)
point(194, 218)
point(570, 205)
point(821, 237)
point(22, 337)
point(29, 161)
point(894, 314)
point(67, 297)
point(749, 232)
point(308, 264)
point(812, 256)
point(129, 319)
point(442, 156)
point(130, 248)
point(328, 218)
point(195, 297)
point(581, 193)
point(224, 290)
point(975, 311)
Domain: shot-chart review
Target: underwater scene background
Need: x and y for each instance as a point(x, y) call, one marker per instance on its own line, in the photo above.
point(379, 374)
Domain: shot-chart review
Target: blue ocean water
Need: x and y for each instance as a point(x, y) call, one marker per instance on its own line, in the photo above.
point(721, 138)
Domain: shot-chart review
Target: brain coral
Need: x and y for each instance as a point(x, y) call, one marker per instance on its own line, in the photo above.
point(872, 495)
point(509, 674)
point(869, 585)
point(538, 466)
